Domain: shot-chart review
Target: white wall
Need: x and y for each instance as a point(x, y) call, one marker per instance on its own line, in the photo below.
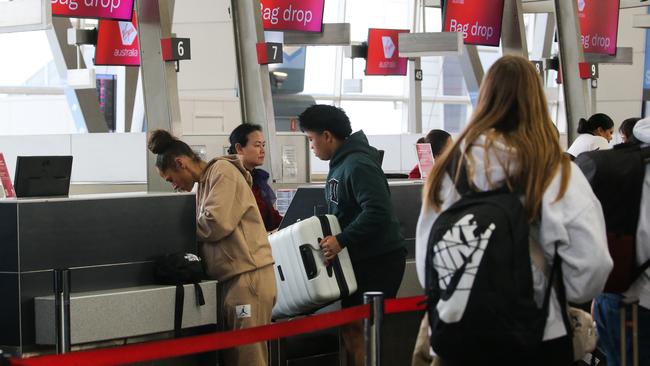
point(207, 84)
point(399, 153)
point(620, 86)
point(97, 157)
point(27, 114)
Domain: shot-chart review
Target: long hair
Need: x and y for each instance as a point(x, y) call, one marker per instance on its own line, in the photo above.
point(511, 108)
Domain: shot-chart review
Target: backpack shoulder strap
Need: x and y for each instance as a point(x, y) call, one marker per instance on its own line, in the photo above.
point(645, 154)
point(558, 283)
point(639, 271)
point(178, 309)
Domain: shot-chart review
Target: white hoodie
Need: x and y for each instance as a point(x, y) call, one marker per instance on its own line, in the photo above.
point(576, 222)
point(641, 288)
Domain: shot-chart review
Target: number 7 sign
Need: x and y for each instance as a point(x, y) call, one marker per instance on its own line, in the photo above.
point(269, 53)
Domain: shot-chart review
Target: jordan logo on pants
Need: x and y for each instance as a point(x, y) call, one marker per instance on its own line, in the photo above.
point(243, 311)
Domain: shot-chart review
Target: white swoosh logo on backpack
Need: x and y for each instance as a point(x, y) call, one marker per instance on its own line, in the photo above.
point(457, 257)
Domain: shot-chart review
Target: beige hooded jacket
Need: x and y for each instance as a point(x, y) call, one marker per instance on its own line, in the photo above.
point(230, 230)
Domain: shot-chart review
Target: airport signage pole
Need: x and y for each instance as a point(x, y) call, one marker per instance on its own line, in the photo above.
point(159, 81)
point(576, 90)
point(254, 79)
point(84, 105)
point(513, 32)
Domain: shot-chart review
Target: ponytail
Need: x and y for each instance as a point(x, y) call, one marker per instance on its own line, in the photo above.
point(598, 120)
point(583, 126)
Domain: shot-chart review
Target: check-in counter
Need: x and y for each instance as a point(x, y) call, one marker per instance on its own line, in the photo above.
point(107, 241)
point(125, 313)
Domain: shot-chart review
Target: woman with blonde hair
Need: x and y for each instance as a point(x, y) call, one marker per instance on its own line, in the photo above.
point(510, 144)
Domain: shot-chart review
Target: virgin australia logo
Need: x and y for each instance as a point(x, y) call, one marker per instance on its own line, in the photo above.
point(128, 33)
point(389, 46)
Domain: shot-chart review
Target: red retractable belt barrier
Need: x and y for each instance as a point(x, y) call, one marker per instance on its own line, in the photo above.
point(150, 351)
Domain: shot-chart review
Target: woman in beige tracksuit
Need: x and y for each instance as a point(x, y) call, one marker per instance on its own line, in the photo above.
point(232, 239)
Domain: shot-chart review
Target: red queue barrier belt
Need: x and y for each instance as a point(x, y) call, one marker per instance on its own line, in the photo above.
point(171, 348)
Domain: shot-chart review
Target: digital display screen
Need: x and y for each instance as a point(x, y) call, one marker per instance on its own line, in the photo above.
point(383, 52)
point(117, 43)
point(598, 25)
point(100, 9)
point(293, 15)
point(478, 20)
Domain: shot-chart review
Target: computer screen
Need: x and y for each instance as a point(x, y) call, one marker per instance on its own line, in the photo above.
point(43, 176)
point(307, 202)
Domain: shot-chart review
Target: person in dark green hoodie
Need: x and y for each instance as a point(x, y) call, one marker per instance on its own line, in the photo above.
point(357, 194)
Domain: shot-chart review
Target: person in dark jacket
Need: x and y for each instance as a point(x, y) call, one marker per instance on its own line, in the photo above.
point(357, 193)
point(247, 141)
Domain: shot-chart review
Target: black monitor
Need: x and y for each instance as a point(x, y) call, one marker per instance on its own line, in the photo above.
point(307, 202)
point(43, 176)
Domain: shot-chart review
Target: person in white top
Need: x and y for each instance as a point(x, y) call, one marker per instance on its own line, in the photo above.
point(594, 134)
point(510, 141)
point(642, 286)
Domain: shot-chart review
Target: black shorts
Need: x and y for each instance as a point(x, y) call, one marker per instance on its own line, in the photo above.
point(381, 273)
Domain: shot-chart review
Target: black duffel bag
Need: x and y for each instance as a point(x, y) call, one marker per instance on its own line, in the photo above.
point(179, 269)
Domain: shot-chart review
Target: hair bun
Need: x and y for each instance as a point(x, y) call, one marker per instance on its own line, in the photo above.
point(583, 126)
point(159, 141)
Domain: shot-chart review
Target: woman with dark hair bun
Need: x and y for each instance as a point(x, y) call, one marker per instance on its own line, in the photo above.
point(247, 141)
point(232, 239)
point(595, 134)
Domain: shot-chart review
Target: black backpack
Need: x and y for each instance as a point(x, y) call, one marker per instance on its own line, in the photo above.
point(617, 177)
point(479, 282)
point(179, 269)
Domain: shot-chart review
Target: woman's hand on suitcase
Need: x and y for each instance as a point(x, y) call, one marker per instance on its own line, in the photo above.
point(330, 247)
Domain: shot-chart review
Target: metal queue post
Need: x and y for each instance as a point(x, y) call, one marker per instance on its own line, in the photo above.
point(62, 310)
point(372, 328)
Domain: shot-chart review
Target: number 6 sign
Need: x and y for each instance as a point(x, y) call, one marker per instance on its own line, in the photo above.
point(174, 49)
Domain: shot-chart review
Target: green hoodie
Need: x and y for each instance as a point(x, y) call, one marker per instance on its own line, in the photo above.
point(357, 193)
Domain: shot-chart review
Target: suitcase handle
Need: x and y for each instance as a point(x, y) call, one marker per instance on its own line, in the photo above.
point(308, 261)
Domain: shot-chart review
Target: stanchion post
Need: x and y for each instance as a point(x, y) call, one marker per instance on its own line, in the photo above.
point(372, 328)
point(62, 309)
point(4, 359)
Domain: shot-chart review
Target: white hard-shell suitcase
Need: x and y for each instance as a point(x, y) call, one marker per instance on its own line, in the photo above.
point(304, 283)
